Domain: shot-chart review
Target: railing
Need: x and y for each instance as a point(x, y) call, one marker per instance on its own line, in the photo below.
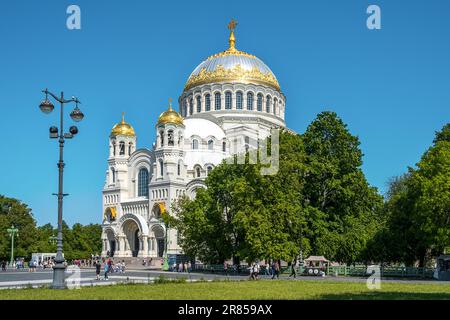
point(355, 271)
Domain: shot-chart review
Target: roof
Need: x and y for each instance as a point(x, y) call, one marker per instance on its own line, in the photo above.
point(316, 258)
point(202, 128)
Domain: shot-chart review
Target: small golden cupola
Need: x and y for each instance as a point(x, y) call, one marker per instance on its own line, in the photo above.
point(170, 116)
point(123, 128)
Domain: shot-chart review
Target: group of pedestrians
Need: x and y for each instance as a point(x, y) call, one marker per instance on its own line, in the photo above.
point(181, 267)
point(20, 264)
point(271, 270)
point(108, 267)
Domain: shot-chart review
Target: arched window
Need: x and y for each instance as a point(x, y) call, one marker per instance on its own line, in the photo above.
point(194, 144)
point(268, 102)
point(130, 148)
point(259, 102)
point(210, 145)
point(170, 138)
point(191, 107)
point(239, 100)
point(209, 169)
point(114, 148)
point(161, 168)
point(197, 172)
point(121, 148)
point(228, 100)
point(249, 101)
point(208, 102)
point(161, 135)
point(247, 143)
point(179, 168)
point(217, 101)
point(224, 146)
point(184, 109)
point(143, 183)
point(199, 104)
point(113, 175)
point(275, 106)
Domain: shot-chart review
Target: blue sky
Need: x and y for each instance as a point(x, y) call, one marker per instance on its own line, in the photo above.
point(391, 86)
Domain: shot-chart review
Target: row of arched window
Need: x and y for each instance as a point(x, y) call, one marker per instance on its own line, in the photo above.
point(139, 209)
point(122, 148)
point(268, 106)
point(113, 198)
point(180, 193)
point(210, 144)
point(170, 138)
point(160, 194)
point(198, 171)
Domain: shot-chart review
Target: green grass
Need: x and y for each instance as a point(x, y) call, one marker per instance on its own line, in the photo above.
point(258, 290)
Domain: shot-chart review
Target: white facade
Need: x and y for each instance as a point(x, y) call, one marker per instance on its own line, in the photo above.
point(227, 102)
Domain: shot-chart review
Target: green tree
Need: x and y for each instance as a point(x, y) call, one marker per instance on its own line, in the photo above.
point(344, 208)
point(418, 209)
point(318, 200)
point(14, 212)
point(243, 214)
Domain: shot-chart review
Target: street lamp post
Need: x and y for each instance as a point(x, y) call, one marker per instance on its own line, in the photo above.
point(12, 233)
point(46, 107)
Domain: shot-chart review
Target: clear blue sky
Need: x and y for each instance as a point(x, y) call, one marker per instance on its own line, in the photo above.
point(392, 86)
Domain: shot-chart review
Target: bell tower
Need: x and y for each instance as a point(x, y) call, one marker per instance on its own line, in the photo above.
point(168, 180)
point(122, 143)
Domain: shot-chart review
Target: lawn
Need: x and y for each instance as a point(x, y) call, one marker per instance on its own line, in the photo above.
point(258, 290)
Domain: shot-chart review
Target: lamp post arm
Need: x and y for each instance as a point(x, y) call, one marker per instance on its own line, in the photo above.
point(61, 99)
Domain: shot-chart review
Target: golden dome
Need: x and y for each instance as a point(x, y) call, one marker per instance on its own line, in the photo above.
point(232, 65)
point(123, 128)
point(170, 116)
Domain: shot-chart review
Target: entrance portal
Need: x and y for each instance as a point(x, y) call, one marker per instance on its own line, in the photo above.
point(158, 231)
point(131, 231)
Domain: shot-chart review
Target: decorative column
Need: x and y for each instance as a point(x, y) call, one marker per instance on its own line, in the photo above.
point(104, 246)
point(121, 242)
point(145, 245)
point(202, 97)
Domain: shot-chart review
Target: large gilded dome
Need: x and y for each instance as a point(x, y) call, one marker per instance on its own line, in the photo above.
point(232, 65)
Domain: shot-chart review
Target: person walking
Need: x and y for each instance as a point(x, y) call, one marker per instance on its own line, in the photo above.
point(253, 271)
point(106, 269)
point(225, 268)
point(267, 269)
point(276, 270)
point(293, 269)
point(97, 269)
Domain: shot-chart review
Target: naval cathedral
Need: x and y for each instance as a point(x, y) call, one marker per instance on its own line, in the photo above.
point(229, 101)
